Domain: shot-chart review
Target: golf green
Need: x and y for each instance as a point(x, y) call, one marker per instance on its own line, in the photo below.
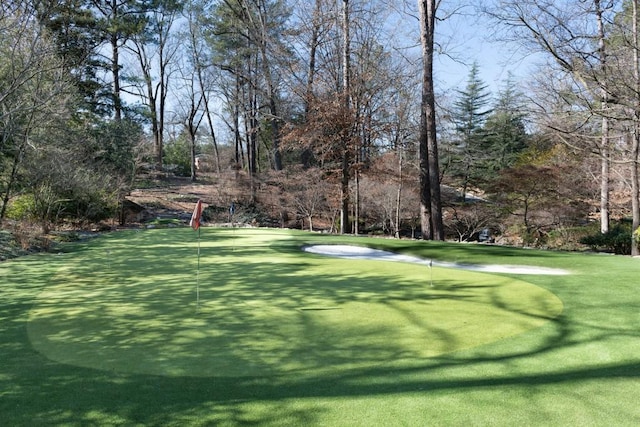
point(254, 304)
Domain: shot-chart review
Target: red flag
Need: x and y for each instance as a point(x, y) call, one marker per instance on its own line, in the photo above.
point(195, 217)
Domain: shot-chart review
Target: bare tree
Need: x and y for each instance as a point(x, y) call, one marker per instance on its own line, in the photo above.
point(155, 51)
point(625, 84)
point(202, 68)
point(309, 190)
point(34, 92)
point(573, 35)
point(190, 114)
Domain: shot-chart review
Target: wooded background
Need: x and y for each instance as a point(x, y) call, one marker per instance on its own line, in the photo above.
point(326, 114)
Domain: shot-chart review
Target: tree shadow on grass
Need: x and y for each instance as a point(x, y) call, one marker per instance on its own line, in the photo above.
point(37, 390)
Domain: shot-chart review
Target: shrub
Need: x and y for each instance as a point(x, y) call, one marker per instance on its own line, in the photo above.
point(617, 240)
point(21, 207)
point(177, 157)
point(570, 238)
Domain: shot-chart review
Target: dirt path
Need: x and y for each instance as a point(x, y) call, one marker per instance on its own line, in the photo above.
point(171, 198)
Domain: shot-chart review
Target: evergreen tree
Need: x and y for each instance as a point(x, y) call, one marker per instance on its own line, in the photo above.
point(77, 38)
point(118, 21)
point(504, 134)
point(469, 114)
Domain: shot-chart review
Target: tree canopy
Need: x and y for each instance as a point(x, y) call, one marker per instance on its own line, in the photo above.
point(102, 92)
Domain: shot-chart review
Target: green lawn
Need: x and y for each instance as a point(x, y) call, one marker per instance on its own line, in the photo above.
point(122, 330)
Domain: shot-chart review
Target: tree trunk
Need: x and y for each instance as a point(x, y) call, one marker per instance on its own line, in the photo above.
point(604, 101)
point(307, 154)
point(273, 108)
point(604, 178)
point(197, 61)
point(313, 48)
point(346, 55)
point(212, 131)
point(430, 203)
point(239, 156)
point(192, 141)
point(275, 129)
point(635, 189)
point(115, 72)
point(398, 195)
point(344, 193)
point(635, 151)
point(346, 69)
point(356, 204)
point(115, 64)
point(17, 159)
point(153, 110)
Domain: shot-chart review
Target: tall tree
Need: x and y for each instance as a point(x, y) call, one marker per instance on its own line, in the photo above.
point(78, 38)
point(635, 150)
point(118, 21)
point(347, 64)
point(200, 62)
point(624, 60)
point(505, 134)
point(430, 201)
point(469, 115)
point(346, 135)
point(155, 51)
point(605, 145)
point(270, 23)
point(573, 35)
point(247, 43)
point(191, 112)
point(229, 51)
point(316, 26)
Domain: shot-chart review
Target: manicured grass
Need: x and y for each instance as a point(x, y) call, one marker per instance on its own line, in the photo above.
point(109, 332)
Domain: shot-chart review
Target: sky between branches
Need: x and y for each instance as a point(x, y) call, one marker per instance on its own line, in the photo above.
point(464, 35)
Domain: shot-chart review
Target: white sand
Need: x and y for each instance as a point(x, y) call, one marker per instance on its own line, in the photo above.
point(359, 252)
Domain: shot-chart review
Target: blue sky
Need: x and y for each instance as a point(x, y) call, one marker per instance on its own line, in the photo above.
point(462, 38)
point(467, 36)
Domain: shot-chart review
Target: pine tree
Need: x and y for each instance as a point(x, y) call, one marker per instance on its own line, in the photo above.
point(469, 114)
point(77, 38)
point(504, 133)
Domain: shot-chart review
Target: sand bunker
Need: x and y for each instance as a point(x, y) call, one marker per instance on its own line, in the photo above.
point(359, 252)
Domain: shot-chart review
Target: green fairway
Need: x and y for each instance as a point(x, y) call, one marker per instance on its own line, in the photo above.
point(127, 330)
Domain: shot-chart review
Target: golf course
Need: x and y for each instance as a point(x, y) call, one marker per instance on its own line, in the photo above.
point(271, 327)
